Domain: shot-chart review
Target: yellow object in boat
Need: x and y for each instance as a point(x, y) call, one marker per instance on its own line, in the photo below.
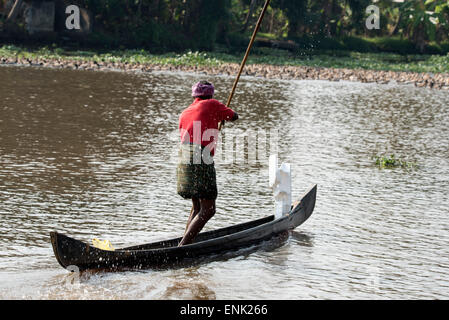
point(103, 245)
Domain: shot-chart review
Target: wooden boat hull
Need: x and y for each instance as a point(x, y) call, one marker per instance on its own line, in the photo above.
point(73, 254)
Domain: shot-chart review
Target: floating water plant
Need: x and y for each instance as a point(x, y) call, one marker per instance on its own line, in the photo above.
point(393, 162)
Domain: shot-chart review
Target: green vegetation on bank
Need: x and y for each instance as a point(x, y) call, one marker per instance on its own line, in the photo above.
point(319, 58)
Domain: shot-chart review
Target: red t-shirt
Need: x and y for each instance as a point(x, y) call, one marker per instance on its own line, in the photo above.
point(198, 123)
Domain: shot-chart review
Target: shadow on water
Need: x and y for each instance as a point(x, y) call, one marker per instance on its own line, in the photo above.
point(301, 239)
point(190, 284)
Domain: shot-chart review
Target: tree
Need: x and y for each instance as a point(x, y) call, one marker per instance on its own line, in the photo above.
point(295, 11)
point(252, 6)
point(358, 9)
point(202, 18)
point(441, 17)
point(420, 24)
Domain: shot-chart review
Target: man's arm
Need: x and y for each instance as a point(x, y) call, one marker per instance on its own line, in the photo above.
point(226, 114)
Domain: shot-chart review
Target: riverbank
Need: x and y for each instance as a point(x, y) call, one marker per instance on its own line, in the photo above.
point(421, 71)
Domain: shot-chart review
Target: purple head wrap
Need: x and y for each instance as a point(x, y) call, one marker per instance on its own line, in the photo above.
point(203, 90)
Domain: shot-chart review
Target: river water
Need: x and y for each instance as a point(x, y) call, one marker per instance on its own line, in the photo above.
point(91, 154)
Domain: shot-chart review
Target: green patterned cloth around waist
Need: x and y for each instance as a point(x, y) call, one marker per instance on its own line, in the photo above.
point(196, 176)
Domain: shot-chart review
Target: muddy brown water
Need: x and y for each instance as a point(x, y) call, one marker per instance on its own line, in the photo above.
point(91, 154)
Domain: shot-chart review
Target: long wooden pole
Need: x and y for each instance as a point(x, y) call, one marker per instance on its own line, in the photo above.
point(248, 50)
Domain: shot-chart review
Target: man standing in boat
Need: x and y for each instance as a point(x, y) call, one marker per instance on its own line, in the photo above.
point(196, 176)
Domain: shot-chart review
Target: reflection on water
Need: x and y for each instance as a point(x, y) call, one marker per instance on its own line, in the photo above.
point(301, 239)
point(90, 154)
point(189, 284)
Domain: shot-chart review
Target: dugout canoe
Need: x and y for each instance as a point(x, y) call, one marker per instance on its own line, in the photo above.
point(73, 254)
